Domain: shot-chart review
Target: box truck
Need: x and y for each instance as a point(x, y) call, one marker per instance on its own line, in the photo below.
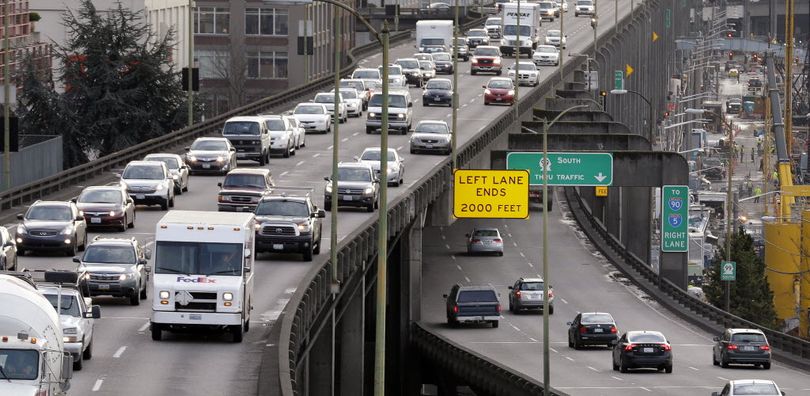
point(432, 34)
point(32, 352)
point(528, 21)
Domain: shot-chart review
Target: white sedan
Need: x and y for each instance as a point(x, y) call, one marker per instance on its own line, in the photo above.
point(396, 166)
point(353, 100)
point(313, 117)
point(328, 99)
point(527, 74)
point(554, 37)
point(546, 55)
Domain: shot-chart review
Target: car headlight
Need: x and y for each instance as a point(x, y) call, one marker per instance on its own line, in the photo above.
point(368, 190)
point(400, 115)
point(487, 92)
point(21, 230)
point(328, 187)
point(220, 159)
point(303, 227)
point(511, 92)
point(164, 295)
point(115, 213)
point(191, 158)
point(175, 177)
point(372, 115)
point(496, 61)
point(227, 296)
point(159, 187)
point(473, 60)
point(67, 230)
point(125, 276)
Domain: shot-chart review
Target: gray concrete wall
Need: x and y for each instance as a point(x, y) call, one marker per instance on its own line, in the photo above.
point(34, 162)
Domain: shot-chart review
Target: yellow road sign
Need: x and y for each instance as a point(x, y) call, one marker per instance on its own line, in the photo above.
point(601, 191)
point(490, 194)
point(655, 37)
point(628, 70)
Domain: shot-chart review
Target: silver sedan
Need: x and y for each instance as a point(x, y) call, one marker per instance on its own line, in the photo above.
point(485, 240)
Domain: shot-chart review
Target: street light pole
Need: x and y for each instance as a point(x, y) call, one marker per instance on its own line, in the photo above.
point(333, 226)
point(562, 35)
point(6, 99)
point(516, 100)
point(454, 121)
point(190, 62)
point(649, 104)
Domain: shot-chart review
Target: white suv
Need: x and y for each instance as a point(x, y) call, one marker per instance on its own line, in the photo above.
point(400, 111)
point(149, 182)
point(584, 7)
point(282, 140)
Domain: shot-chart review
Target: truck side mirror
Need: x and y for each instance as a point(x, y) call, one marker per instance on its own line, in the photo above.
point(247, 269)
point(147, 269)
point(187, 148)
point(95, 311)
point(715, 339)
point(219, 184)
point(510, 287)
point(77, 260)
point(321, 214)
point(19, 216)
point(67, 366)
point(613, 343)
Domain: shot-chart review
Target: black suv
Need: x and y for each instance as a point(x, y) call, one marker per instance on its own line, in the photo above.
point(745, 346)
point(287, 222)
point(51, 225)
point(242, 189)
point(115, 267)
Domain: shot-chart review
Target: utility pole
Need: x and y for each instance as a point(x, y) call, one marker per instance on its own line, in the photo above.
point(456, 72)
point(6, 98)
point(190, 62)
point(333, 227)
point(562, 34)
point(517, 59)
point(789, 9)
point(729, 200)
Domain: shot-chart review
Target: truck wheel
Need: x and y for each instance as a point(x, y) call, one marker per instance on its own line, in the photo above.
point(171, 202)
point(262, 159)
point(78, 364)
point(143, 293)
point(494, 324)
point(157, 332)
point(247, 325)
point(88, 353)
point(308, 253)
point(134, 298)
point(236, 333)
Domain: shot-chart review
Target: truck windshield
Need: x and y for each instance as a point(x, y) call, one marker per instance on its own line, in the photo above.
point(19, 364)
point(393, 101)
point(432, 41)
point(241, 128)
point(282, 208)
point(69, 306)
point(198, 258)
point(511, 30)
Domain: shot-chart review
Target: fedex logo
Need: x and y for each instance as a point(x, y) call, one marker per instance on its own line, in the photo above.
point(199, 279)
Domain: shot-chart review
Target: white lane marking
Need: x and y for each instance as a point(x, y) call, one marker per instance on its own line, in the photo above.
point(645, 389)
point(464, 105)
point(300, 163)
point(97, 385)
point(290, 290)
point(553, 350)
point(593, 369)
point(329, 148)
point(443, 237)
point(467, 279)
point(459, 267)
point(533, 340)
point(530, 265)
point(344, 140)
point(569, 358)
point(722, 378)
point(693, 368)
point(522, 255)
point(473, 100)
point(514, 327)
point(563, 300)
point(514, 243)
point(356, 133)
point(447, 246)
point(399, 148)
point(449, 115)
point(616, 378)
point(453, 256)
point(120, 352)
point(284, 173)
point(144, 327)
point(316, 155)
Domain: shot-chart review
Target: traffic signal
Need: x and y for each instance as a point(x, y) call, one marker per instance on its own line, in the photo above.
point(602, 93)
point(731, 55)
point(666, 115)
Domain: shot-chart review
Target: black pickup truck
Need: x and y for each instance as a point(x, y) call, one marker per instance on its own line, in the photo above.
point(473, 304)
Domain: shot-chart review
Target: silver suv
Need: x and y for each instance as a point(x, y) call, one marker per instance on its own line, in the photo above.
point(357, 186)
point(149, 182)
point(115, 267)
point(400, 111)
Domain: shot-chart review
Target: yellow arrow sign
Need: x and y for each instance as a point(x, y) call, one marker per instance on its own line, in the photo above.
point(655, 37)
point(628, 70)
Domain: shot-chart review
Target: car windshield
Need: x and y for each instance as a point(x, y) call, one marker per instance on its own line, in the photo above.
point(373, 84)
point(584, 2)
point(409, 64)
point(431, 127)
point(476, 295)
point(171, 162)
point(198, 258)
point(346, 94)
point(145, 172)
point(109, 254)
point(748, 337)
point(393, 71)
point(370, 74)
point(758, 389)
point(42, 212)
point(502, 84)
point(282, 207)
point(546, 6)
point(478, 33)
point(432, 41)
point(640, 338)
point(69, 306)
point(461, 42)
point(532, 286)
point(19, 364)
point(309, 110)
point(486, 52)
point(493, 21)
point(526, 66)
point(547, 49)
point(100, 196)
point(553, 33)
point(442, 85)
point(241, 128)
point(358, 85)
point(485, 233)
point(596, 318)
point(209, 145)
point(354, 175)
point(325, 98)
point(511, 30)
point(275, 124)
point(393, 101)
point(426, 65)
point(237, 180)
point(441, 57)
point(374, 155)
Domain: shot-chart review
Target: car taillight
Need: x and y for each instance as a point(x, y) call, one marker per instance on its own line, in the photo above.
point(583, 329)
point(498, 307)
point(731, 347)
point(497, 240)
point(475, 241)
point(42, 392)
point(629, 347)
point(666, 347)
point(517, 293)
point(765, 347)
point(455, 308)
point(613, 330)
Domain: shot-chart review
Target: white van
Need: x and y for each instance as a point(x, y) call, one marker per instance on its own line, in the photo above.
point(400, 111)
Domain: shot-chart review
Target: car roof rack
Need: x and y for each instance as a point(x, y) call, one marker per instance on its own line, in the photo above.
point(112, 238)
point(289, 191)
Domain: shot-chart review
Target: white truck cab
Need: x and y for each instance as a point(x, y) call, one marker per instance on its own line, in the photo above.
point(203, 272)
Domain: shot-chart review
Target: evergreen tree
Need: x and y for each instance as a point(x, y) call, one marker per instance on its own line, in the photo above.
point(120, 86)
point(751, 295)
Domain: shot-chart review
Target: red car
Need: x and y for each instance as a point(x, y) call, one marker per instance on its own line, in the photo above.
point(499, 90)
point(486, 58)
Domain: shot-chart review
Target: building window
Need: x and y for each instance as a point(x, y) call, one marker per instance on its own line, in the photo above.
point(212, 20)
point(266, 21)
point(214, 64)
point(266, 64)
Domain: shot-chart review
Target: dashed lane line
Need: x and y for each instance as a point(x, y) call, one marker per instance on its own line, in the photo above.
point(97, 385)
point(119, 352)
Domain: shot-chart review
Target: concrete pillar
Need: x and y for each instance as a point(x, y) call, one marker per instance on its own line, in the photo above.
point(350, 350)
point(321, 361)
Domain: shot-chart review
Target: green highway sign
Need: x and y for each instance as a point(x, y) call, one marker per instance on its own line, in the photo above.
point(565, 169)
point(618, 80)
point(675, 219)
point(667, 18)
point(728, 271)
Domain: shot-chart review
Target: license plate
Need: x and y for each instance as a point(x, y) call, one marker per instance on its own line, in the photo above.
point(104, 287)
point(648, 350)
point(748, 348)
point(428, 146)
point(498, 99)
point(195, 317)
point(598, 330)
point(437, 99)
point(206, 166)
point(347, 197)
point(243, 209)
point(95, 220)
point(487, 242)
point(140, 196)
point(278, 246)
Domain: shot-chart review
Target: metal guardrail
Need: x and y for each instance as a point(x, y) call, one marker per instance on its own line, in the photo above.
point(489, 376)
point(793, 350)
point(40, 188)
